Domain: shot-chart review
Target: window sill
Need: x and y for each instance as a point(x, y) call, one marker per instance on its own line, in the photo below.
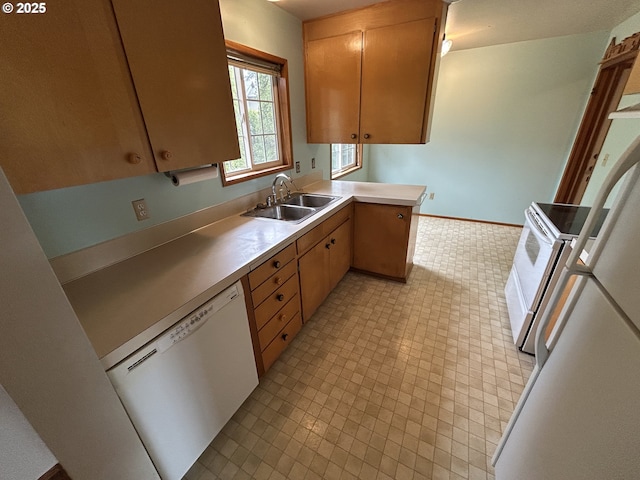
point(251, 175)
point(345, 172)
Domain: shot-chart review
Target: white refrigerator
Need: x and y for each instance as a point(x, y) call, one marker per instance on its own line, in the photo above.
point(579, 415)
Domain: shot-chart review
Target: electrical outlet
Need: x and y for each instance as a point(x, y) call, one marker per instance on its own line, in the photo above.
point(431, 195)
point(297, 167)
point(140, 207)
point(313, 163)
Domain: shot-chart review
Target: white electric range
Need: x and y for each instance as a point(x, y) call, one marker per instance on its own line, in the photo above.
point(544, 246)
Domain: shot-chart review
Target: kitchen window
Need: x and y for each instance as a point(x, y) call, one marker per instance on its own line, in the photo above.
point(259, 87)
point(345, 158)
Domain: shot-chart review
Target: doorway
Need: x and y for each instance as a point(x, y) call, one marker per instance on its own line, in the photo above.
point(607, 91)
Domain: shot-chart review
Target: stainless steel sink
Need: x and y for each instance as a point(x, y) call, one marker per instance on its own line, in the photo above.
point(294, 209)
point(309, 200)
point(288, 213)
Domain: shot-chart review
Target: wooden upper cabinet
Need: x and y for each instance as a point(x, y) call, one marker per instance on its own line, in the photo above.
point(370, 73)
point(69, 113)
point(178, 62)
point(395, 80)
point(333, 67)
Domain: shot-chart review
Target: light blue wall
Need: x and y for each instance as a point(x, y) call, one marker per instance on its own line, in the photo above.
point(69, 219)
point(504, 122)
point(622, 131)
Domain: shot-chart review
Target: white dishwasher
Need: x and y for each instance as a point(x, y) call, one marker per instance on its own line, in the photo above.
point(183, 387)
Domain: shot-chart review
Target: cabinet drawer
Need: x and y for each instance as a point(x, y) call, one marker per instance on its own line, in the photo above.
point(334, 221)
point(271, 266)
point(279, 320)
point(311, 238)
point(275, 348)
point(276, 301)
point(272, 283)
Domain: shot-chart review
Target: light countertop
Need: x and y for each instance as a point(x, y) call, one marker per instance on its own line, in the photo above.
point(126, 305)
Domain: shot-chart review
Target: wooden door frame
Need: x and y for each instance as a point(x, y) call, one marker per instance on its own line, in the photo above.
point(612, 77)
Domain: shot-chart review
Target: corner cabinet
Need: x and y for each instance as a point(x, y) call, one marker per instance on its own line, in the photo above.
point(77, 110)
point(324, 257)
point(384, 239)
point(370, 73)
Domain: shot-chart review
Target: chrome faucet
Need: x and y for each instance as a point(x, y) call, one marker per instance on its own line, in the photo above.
point(284, 178)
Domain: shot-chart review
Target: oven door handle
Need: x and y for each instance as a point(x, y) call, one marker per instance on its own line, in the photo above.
point(535, 228)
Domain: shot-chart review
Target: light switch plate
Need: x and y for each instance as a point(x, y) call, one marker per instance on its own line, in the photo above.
point(140, 207)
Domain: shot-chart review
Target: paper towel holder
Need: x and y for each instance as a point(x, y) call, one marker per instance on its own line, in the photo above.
point(187, 176)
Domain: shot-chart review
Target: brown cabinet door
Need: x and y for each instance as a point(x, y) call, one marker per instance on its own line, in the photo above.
point(395, 79)
point(339, 253)
point(332, 81)
point(380, 238)
point(314, 278)
point(178, 61)
point(69, 114)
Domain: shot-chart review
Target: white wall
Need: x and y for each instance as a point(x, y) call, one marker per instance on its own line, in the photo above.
point(622, 131)
point(504, 122)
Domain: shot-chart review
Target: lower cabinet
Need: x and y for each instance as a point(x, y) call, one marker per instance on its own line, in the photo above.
point(291, 285)
point(324, 258)
point(384, 238)
point(273, 305)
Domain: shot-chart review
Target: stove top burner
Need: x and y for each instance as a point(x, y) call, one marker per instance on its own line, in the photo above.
point(569, 219)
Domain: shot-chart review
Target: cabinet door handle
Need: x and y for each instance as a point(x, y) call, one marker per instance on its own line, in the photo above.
point(134, 158)
point(354, 136)
point(400, 216)
point(277, 280)
point(333, 241)
point(282, 318)
point(280, 297)
point(328, 245)
point(276, 264)
point(284, 336)
point(366, 135)
point(166, 155)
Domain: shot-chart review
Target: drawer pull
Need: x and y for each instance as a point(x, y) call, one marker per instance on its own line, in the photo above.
point(328, 245)
point(166, 155)
point(284, 336)
point(276, 264)
point(400, 216)
point(280, 297)
point(277, 280)
point(282, 318)
point(333, 241)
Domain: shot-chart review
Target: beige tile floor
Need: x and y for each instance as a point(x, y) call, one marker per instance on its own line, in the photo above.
point(389, 380)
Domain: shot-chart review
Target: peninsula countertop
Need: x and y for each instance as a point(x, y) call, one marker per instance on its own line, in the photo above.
point(124, 306)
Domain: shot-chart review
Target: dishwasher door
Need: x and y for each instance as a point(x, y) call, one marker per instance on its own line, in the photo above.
point(181, 389)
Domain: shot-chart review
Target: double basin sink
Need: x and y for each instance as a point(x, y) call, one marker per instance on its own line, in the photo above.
point(295, 209)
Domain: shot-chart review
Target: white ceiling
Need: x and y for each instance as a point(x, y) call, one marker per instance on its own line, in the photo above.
point(480, 23)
